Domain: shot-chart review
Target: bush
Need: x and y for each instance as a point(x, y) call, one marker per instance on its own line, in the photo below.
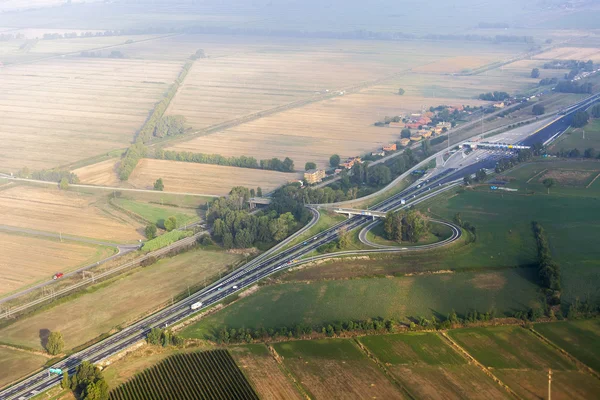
point(538, 109)
point(165, 240)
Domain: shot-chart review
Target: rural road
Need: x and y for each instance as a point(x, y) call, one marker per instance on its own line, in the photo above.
point(239, 279)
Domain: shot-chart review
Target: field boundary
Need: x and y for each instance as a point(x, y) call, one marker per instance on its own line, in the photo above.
point(279, 360)
point(383, 369)
point(593, 180)
point(472, 359)
point(536, 175)
point(565, 353)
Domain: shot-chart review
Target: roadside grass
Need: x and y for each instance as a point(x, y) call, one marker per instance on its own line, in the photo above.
point(573, 138)
point(429, 368)
point(323, 302)
point(165, 239)
point(581, 339)
point(157, 214)
point(103, 308)
point(397, 188)
point(437, 233)
point(17, 364)
point(327, 219)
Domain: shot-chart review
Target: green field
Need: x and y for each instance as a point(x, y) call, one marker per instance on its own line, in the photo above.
point(430, 368)
point(17, 364)
point(327, 348)
point(581, 339)
point(573, 138)
point(158, 214)
point(437, 233)
point(399, 298)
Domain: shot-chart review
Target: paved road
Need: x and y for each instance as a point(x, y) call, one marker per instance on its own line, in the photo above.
point(243, 277)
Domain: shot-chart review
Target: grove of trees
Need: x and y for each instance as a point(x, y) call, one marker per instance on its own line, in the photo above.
point(538, 109)
point(55, 343)
point(403, 226)
point(548, 269)
point(88, 383)
point(494, 96)
point(580, 119)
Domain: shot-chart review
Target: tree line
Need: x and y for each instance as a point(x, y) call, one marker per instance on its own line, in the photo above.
point(405, 226)
point(548, 269)
point(273, 164)
point(88, 383)
point(573, 87)
point(48, 175)
point(494, 96)
point(521, 156)
point(164, 338)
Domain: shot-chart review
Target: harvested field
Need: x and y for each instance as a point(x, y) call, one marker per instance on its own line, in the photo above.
point(52, 210)
point(567, 385)
point(187, 177)
point(17, 364)
point(22, 267)
point(101, 174)
point(430, 368)
point(269, 381)
point(336, 369)
point(59, 111)
point(457, 64)
point(124, 300)
point(342, 125)
point(568, 177)
point(571, 53)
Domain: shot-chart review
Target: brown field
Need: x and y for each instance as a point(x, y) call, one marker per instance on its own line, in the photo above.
point(17, 364)
point(21, 267)
point(122, 301)
point(457, 64)
point(187, 177)
point(571, 53)
point(102, 173)
point(533, 385)
point(569, 177)
point(262, 371)
point(342, 125)
point(52, 210)
point(63, 110)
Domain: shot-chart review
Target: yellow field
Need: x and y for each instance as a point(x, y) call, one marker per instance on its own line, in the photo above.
point(102, 173)
point(63, 110)
point(17, 364)
point(457, 64)
point(342, 125)
point(571, 53)
point(21, 266)
point(49, 209)
point(186, 177)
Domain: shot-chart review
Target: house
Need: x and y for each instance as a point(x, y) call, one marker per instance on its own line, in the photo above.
point(390, 147)
point(499, 105)
point(442, 125)
point(412, 125)
point(378, 153)
point(437, 130)
point(350, 162)
point(416, 138)
point(313, 176)
point(426, 134)
point(404, 142)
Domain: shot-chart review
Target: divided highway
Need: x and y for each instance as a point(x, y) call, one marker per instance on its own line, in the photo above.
point(259, 268)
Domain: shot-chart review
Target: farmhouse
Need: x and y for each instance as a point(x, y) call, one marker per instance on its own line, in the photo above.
point(390, 147)
point(442, 125)
point(404, 142)
point(314, 176)
point(350, 162)
point(416, 138)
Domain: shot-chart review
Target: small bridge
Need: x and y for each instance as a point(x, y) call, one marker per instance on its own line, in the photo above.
point(350, 212)
point(263, 201)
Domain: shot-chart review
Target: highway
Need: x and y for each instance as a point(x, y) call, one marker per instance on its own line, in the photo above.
point(258, 269)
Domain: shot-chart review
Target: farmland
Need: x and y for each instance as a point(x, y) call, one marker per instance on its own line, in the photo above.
point(185, 177)
point(123, 300)
point(522, 361)
point(66, 212)
point(335, 369)
point(578, 338)
point(22, 267)
point(17, 364)
point(157, 214)
point(399, 298)
point(574, 138)
point(263, 372)
point(430, 368)
point(102, 173)
point(571, 53)
point(96, 103)
point(202, 375)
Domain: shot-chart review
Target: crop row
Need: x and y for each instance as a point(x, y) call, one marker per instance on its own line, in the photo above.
point(201, 375)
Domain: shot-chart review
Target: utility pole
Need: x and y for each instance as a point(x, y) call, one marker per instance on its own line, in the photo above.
point(549, 384)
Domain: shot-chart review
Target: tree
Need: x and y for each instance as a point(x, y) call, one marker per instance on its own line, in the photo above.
point(548, 182)
point(426, 147)
point(343, 238)
point(595, 111)
point(171, 223)
point(64, 184)
point(150, 231)
point(405, 133)
point(310, 165)
point(538, 109)
point(580, 119)
point(535, 73)
point(401, 91)
point(159, 185)
point(589, 153)
point(480, 175)
point(467, 179)
point(55, 344)
point(66, 382)
point(154, 336)
point(334, 160)
point(258, 192)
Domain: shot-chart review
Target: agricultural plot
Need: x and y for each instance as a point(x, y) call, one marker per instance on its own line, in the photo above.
point(17, 364)
point(580, 138)
point(267, 378)
point(335, 369)
point(66, 212)
point(581, 339)
point(124, 300)
point(521, 361)
point(103, 173)
point(183, 177)
point(204, 375)
point(156, 213)
point(323, 302)
point(571, 53)
point(429, 368)
point(63, 110)
point(22, 267)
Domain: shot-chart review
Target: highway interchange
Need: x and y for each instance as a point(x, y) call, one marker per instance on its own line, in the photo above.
point(445, 177)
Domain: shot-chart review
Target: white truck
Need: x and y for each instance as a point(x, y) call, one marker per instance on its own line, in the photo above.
point(196, 306)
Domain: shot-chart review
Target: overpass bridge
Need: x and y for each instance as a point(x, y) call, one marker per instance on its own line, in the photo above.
point(254, 201)
point(488, 145)
point(350, 212)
